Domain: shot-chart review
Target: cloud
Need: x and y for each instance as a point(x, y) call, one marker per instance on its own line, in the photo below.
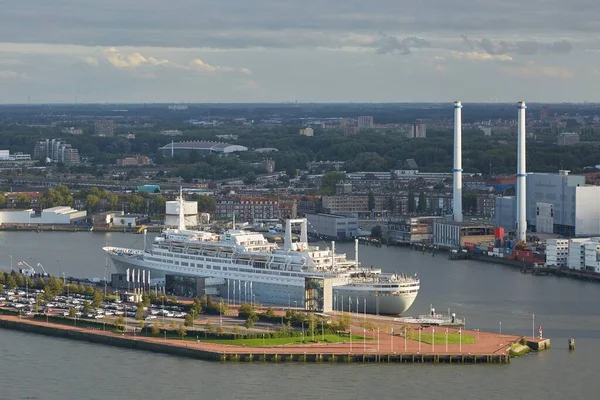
point(202, 66)
point(132, 60)
point(5, 74)
point(480, 56)
point(135, 60)
point(92, 61)
point(532, 70)
point(524, 47)
point(393, 45)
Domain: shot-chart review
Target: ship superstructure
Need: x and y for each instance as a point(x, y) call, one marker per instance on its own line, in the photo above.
point(248, 267)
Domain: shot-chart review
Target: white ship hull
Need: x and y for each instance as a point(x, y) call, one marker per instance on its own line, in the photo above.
point(247, 284)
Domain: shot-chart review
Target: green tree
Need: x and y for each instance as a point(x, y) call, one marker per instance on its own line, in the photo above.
point(1, 289)
point(112, 202)
point(376, 232)
point(250, 321)
point(87, 307)
point(98, 298)
point(72, 312)
point(270, 313)
point(146, 300)
point(371, 200)
point(245, 310)
point(344, 322)
point(189, 320)
point(328, 182)
point(139, 312)
point(155, 330)
point(91, 203)
point(89, 291)
point(206, 204)
point(142, 325)
point(19, 279)
point(181, 331)
point(22, 201)
point(120, 323)
point(2, 200)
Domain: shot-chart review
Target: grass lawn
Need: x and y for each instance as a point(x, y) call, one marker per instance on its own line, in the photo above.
point(283, 341)
point(440, 338)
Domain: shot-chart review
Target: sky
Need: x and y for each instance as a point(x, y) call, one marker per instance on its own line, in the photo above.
point(132, 51)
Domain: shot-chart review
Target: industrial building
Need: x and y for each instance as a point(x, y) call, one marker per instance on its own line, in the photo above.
point(6, 156)
point(568, 138)
point(412, 230)
point(190, 213)
point(578, 254)
point(333, 226)
point(556, 203)
point(49, 216)
point(307, 132)
point(200, 146)
point(453, 235)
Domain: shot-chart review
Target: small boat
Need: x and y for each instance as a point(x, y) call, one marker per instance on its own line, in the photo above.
point(571, 344)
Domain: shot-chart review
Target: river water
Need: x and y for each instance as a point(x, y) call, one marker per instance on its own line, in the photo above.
point(488, 296)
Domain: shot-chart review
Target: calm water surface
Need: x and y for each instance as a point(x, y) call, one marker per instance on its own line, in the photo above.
point(38, 367)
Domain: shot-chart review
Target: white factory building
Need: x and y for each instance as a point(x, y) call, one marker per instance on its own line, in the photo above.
point(49, 216)
point(578, 254)
point(556, 203)
point(190, 213)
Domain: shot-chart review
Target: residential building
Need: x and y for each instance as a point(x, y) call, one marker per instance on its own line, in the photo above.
point(171, 132)
point(56, 151)
point(418, 130)
point(486, 205)
point(137, 160)
point(269, 165)
point(568, 138)
point(365, 122)
point(309, 205)
point(73, 131)
point(288, 208)
point(307, 132)
point(412, 230)
point(345, 204)
point(247, 209)
point(332, 226)
point(104, 127)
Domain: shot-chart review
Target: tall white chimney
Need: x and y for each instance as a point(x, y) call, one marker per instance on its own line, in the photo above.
point(521, 176)
point(457, 170)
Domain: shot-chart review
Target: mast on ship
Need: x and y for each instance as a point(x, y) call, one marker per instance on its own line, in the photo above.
point(181, 211)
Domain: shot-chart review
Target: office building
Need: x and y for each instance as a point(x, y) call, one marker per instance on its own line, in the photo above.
point(412, 230)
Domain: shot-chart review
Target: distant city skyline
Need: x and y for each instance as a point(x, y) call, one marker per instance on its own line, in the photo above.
point(133, 51)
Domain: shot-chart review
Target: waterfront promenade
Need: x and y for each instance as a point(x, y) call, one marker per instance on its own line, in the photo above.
point(378, 346)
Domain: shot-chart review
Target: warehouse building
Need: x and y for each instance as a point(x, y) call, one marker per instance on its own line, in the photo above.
point(453, 235)
point(333, 226)
point(50, 216)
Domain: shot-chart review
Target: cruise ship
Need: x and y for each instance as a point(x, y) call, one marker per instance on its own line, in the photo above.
point(247, 267)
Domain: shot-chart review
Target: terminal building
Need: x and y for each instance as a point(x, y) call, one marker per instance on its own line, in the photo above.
point(556, 203)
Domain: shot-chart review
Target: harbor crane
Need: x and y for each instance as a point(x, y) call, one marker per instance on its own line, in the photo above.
point(43, 269)
point(27, 272)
